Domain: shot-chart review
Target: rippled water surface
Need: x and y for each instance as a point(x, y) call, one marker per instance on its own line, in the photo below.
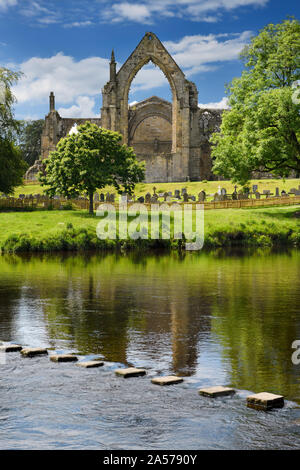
point(215, 319)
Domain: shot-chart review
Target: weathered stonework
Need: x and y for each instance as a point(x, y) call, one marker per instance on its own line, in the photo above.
point(173, 138)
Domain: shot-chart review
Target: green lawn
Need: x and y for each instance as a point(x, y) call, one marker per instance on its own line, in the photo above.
point(276, 224)
point(211, 187)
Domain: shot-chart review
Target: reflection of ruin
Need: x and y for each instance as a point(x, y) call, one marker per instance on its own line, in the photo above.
point(172, 138)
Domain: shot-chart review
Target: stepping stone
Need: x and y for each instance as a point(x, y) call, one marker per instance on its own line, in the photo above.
point(130, 372)
point(217, 391)
point(265, 401)
point(90, 364)
point(168, 380)
point(31, 352)
point(11, 348)
point(63, 358)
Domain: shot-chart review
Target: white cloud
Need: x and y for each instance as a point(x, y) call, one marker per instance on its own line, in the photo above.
point(62, 74)
point(147, 11)
point(223, 104)
point(198, 53)
point(4, 4)
point(83, 109)
point(78, 24)
point(128, 11)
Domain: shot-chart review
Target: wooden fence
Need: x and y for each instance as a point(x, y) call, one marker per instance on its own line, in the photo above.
point(46, 203)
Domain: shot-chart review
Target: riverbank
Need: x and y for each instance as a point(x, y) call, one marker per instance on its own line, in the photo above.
point(47, 231)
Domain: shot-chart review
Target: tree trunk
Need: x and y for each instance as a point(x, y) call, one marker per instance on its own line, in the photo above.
point(91, 198)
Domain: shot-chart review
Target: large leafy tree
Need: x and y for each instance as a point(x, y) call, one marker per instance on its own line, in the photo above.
point(89, 159)
point(30, 140)
point(261, 130)
point(12, 166)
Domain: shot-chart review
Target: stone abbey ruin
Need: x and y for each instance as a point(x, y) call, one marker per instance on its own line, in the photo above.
point(172, 138)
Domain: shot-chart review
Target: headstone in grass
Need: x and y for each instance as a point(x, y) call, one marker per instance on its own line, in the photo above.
point(277, 193)
point(141, 199)
point(183, 191)
point(170, 193)
point(293, 191)
point(201, 196)
point(185, 197)
point(283, 193)
point(177, 193)
point(165, 195)
point(223, 192)
point(257, 194)
point(147, 198)
point(254, 188)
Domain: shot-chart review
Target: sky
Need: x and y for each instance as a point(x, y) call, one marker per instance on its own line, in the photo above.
point(65, 46)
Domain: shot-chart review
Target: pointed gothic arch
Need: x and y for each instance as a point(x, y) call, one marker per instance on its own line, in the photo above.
point(114, 111)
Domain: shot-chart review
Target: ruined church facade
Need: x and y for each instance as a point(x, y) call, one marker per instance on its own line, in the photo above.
point(172, 138)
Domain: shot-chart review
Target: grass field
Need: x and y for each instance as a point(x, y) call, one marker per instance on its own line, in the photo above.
point(223, 227)
point(211, 187)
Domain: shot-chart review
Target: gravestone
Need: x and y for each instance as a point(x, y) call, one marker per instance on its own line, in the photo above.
point(216, 197)
point(101, 197)
point(147, 198)
point(169, 199)
point(277, 194)
point(183, 191)
point(165, 195)
point(185, 197)
point(193, 198)
point(124, 197)
point(21, 196)
point(141, 199)
point(293, 191)
point(257, 194)
point(223, 192)
point(170, 193)
point(177, 193)
point(254, 188)
point(283, 193)
point(154, 199)
point(201, 196)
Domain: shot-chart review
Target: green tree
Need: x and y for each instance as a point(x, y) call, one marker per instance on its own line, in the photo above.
point(12, 166)
point(261, 130)
point(91, 159)
point(30, 140)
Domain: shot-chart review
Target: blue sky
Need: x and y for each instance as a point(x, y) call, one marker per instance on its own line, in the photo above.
point(65, 46)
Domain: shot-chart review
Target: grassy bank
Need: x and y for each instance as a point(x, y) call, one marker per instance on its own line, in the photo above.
point(210, 187)
point(41, 231)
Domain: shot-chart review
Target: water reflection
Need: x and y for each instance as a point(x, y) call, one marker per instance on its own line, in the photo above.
point(227, 317)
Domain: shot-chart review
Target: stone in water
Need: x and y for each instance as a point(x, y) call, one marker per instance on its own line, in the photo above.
point(11, 348)
point(168, 380)
point(31, 352)
point(63, 358)
point(130, 372)
point(90, 364)
point(217, 391)
point(265, 401)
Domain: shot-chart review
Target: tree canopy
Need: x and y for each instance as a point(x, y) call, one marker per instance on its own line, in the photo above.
point(12, 166)
point(29, 140)
point(261, 130)
point(90, 159)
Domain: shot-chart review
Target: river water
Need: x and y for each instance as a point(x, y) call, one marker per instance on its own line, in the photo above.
point(215, 319)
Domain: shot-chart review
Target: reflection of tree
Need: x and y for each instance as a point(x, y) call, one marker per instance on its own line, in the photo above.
point(251, 321)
